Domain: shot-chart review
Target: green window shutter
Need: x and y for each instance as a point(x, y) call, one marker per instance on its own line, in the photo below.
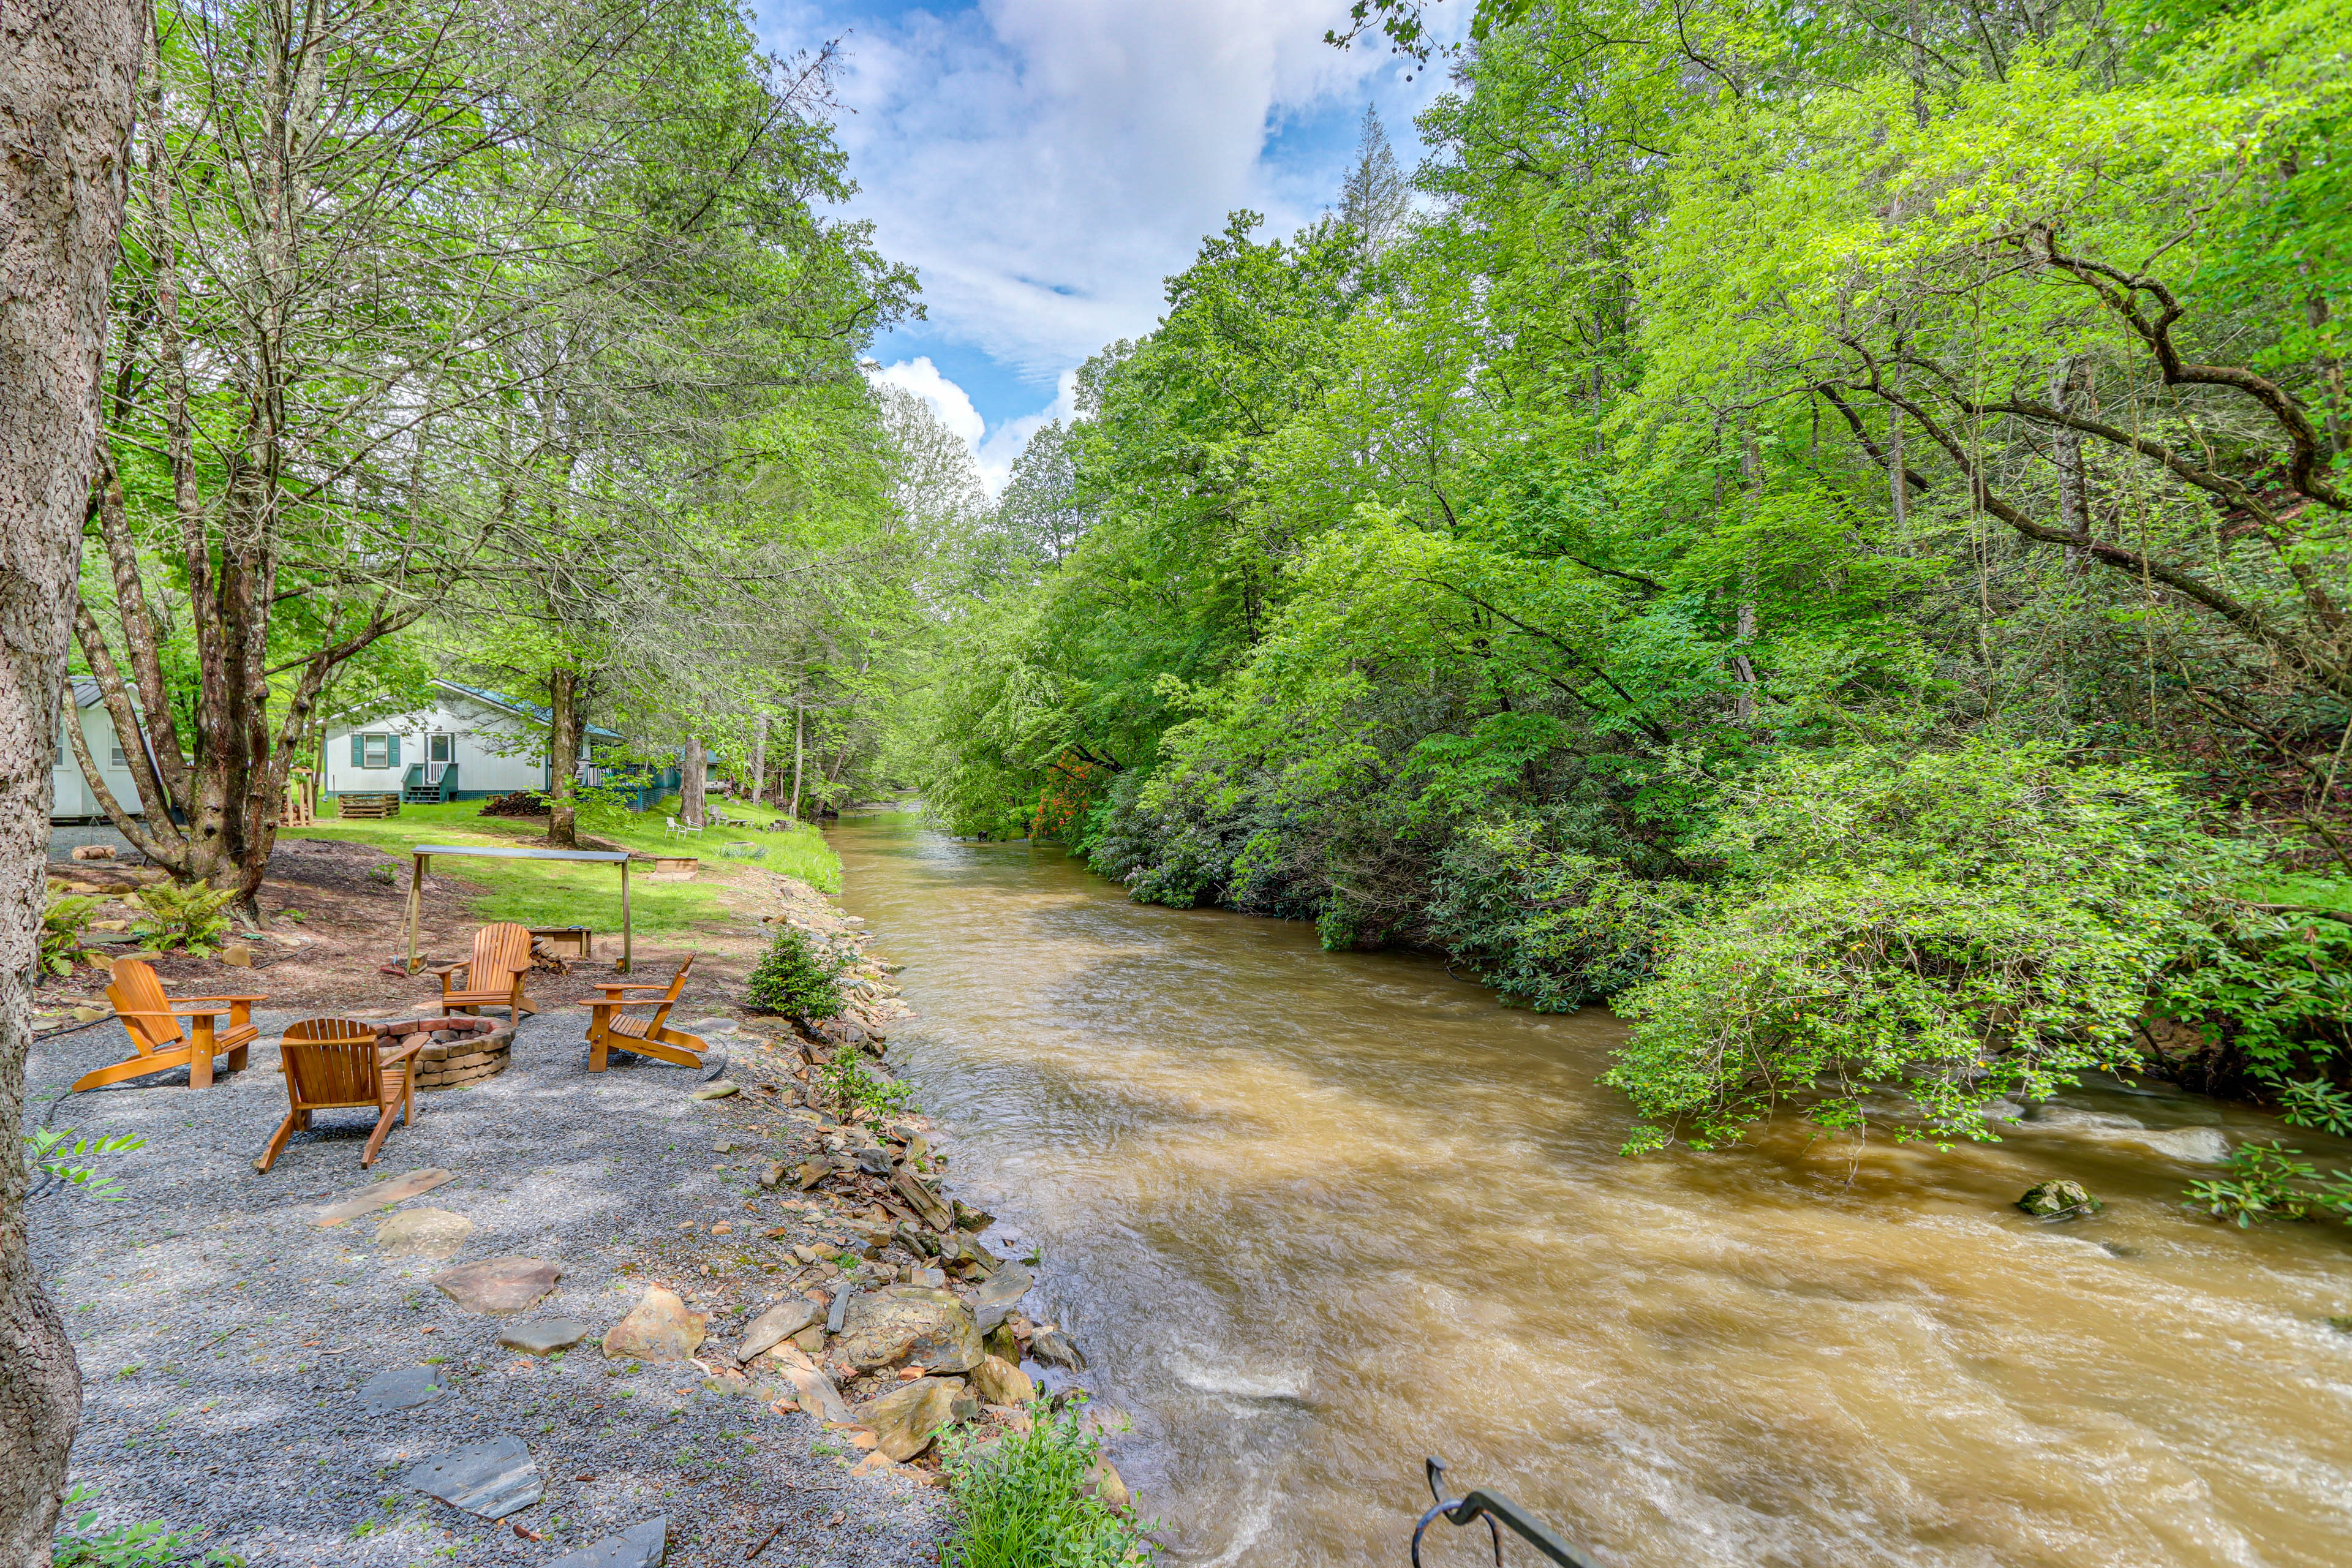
point(392, 751)
point(359, 755)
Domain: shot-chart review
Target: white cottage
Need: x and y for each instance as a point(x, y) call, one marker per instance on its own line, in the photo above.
point(469, 744)
point(71, 799)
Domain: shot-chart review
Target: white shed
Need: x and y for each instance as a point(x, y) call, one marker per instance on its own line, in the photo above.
point(71, 799)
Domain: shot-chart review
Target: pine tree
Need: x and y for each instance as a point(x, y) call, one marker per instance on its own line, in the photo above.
point(1375, 201)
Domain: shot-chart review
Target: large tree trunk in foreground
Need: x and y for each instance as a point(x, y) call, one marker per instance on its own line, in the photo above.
point(66, 74)
point(562, 756)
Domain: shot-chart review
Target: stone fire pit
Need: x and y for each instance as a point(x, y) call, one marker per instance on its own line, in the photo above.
point(458, 1050)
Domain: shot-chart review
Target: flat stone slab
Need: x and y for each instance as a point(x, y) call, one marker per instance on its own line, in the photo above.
point(496, 1478)
point(497, 1286)
point(423, 1233)
point(777, 1324)
point(639, 1546)
point(380, 1195)
point(544, 1336)
point(404, 1388)
point(659, 1328)
point(1000, 1293)
point(715, 1091)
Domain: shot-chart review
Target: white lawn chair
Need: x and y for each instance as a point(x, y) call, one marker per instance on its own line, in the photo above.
point(677, 829)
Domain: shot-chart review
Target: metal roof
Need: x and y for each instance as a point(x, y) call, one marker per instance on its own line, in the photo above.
point(530, 710)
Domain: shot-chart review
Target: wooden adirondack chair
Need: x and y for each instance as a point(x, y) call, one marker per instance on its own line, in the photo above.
point(153, 1021)
point(608, 1031)
point(494, 975)
point(334, 1064)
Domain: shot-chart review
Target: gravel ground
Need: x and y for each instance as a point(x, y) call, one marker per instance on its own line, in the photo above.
point(224, 1336)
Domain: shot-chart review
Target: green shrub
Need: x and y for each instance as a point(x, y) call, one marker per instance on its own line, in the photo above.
point(1951, 927)
point(794, 979)
point(851, 1083)
point(147, 1545)
point(51, 1149)
point(191, 917)
point(2271, 995)
point(1023, 1502)
point(2262, 1184)
point(62, 925)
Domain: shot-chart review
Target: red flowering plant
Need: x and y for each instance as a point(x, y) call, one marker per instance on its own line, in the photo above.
point(1072, 781)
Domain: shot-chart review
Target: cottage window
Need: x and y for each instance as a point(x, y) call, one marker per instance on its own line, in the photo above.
point(115, 759)
point(375, 750)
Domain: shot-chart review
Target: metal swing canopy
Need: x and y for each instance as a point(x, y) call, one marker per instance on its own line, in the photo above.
point(425, 852)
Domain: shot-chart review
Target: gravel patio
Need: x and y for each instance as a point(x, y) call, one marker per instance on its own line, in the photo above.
point(224, 1335)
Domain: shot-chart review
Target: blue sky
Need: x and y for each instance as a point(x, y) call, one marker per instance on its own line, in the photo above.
point(1045, 164)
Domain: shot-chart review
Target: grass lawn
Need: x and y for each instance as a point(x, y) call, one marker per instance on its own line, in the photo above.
point(557, 892)
point(2312, 890)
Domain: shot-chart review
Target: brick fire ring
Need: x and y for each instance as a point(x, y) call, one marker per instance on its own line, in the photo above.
point(458, 1050)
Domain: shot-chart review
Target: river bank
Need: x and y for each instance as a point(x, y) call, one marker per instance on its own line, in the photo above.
point(1317, 1215)
point(270, 1383)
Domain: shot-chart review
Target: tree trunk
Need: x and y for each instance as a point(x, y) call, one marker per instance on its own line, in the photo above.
point(563, 755)
point(759, 756)
point(2066, 448)
point(800, 729)
point(67, 70)
point(690, 784)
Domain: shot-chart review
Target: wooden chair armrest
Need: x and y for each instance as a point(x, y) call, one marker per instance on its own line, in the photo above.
point(626, 985)
point(447, 968)
point(605, 1002)
point(400, 1055)
point(257, 997)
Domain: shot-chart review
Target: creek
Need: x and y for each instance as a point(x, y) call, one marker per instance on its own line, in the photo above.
point(1313, 1215)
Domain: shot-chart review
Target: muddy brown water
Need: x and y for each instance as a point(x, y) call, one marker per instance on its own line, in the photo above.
point(1316, 1215)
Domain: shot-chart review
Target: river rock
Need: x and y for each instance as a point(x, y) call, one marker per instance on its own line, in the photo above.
point(495, 1478)
point(658, 1328)
point(1001, 1383)
point(905, 1421)
point(1109, 1489)
point(818, 1396)
point(1054, 1351)
point(423, 1233)
point(2051, 1200)
point(777, 1324)
point(719, 1090)
point(1001, 1294)
point(639, 1546)
point(812, 1172)
point(908, 1323)
point(498, 1286)
point(544, 1336)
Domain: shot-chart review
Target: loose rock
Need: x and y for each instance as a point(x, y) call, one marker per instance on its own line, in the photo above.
point(639, 1546)
point(1001, 1294)
point(1054, 1351)
point(777, 1324)
point(719, 1090)
point(903, 1422)
point(658, 1328)
point(497, 1286)
point(908, 1323)
point(1001, 1383)
point(404, 1388)
point(495, 1478)
point(423, 1233)
point(380, 1195)
point(544, 1336)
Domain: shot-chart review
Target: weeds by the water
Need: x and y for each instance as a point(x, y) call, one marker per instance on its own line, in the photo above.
point(792, 978)
point(1025, 1501)
point(850, 1083)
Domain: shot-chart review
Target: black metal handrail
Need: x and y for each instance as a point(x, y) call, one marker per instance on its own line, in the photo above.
point(1493, 1506)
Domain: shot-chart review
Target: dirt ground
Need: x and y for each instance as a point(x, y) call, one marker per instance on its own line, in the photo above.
point(342, 952)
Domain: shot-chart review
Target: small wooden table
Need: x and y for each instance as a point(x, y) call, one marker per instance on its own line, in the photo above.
point(425, 852)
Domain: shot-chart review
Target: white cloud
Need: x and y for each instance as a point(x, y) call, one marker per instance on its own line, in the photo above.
point(992, 451)
point(949, 401)
point(1044, 164)
point(995, 454)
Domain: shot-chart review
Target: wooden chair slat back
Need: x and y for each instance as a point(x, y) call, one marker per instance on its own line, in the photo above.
point(669, 997)
point(139, 1001)
point(325, 1073)
point(330, 1029)
point(501, 950)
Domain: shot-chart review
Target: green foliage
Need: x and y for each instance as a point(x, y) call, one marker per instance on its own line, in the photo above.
point(1955, 927)
point(62, 925)
point(80, 1544)
point(849, 1083)
point(2269, 992)
point(54, 1148)
point(191, 917)
point(794, 979)
point(1023, 1501)
point(2267, 1182)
